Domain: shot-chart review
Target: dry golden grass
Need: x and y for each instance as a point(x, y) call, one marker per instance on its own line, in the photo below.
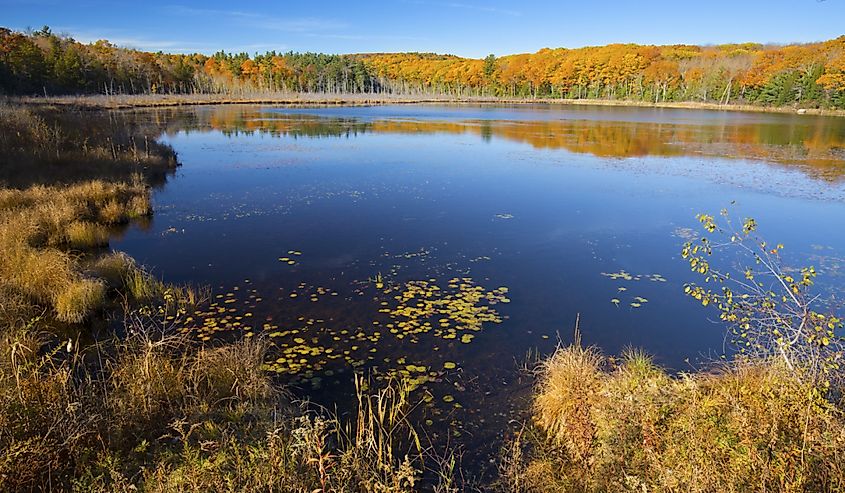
point(153, 413)
point(79, 299)
point(563, 402)
point(38, 225)
point(84, 235)
point(114, 269)
point(113, 213)
point(749, 426)
point(233, 372)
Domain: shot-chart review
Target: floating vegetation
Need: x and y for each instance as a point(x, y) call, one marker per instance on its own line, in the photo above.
point(421, 253)
point(619, 275)
point(289, 260)
point(622, 275)
point(424, 307)
point(627, 276)
point(309, 349)
point(687, 234)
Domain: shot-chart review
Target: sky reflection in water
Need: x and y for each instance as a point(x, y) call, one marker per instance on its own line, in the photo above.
point(568, 208)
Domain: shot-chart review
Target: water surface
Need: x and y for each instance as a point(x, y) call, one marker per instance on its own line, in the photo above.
point(445, 243)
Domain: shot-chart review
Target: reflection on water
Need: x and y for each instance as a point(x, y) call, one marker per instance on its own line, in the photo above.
point(443, 244)
point(815, 143)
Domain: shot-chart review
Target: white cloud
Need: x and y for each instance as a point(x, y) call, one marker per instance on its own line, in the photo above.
point(468, 6)
point(120, 38)
point(261, 21)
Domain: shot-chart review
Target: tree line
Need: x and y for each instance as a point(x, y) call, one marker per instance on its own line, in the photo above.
point(810, 75)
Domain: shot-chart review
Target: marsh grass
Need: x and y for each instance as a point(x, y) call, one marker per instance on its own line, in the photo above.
point(49, 241)
point(156, 413)
point(625, 425)
point(79, 299)
point(86, 235)
point(114, 268)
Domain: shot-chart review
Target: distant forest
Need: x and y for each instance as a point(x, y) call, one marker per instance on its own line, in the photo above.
point(805, 75)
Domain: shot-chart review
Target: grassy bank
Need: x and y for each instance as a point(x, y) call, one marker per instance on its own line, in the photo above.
point(154, 413)
point(623, 424)
point(52, 237)
point(317, 99)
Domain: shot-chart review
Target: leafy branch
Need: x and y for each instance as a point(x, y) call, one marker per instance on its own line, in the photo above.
point(770, 307)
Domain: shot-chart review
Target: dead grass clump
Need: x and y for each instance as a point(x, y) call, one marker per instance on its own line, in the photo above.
point(39, 274)
point(113, 213)
point(569, 389)
point(39, 224)
point(234, 373)
point(84, 234)
point(139, 206)
point(114, 268)
point(79, 299)
point(147, 384)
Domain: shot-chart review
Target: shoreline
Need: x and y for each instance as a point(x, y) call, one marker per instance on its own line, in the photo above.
point(95, 102)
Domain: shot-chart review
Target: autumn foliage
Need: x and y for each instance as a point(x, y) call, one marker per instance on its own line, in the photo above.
point(806, 75)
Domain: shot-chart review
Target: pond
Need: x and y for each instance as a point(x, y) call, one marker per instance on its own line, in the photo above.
point(452, 244)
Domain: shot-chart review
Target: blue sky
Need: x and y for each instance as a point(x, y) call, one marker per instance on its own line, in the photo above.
point(462, 27)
